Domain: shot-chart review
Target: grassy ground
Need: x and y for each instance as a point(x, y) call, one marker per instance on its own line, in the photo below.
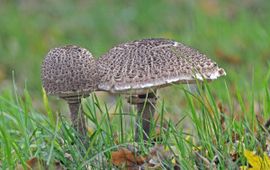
point(212, 128)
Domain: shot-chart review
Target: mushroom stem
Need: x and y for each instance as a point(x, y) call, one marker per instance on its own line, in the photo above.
point(77, 117)
point(146, 110)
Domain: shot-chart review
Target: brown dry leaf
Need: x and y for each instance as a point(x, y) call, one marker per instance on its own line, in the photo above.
point(124, 157)
point(127, 159)
point(33, 163)
point(232, 59)
point(37, 164)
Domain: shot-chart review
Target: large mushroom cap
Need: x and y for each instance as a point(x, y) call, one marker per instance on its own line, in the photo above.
point(69, 71)
point(150, 63)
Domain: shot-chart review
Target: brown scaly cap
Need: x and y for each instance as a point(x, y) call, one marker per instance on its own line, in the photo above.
point(69, 71)
point(151, 63)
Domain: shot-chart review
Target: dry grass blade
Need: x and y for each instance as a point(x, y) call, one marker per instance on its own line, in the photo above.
point(204, 162)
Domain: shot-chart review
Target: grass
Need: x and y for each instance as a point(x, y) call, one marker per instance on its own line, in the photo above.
point(207, 128)
point(215, 134)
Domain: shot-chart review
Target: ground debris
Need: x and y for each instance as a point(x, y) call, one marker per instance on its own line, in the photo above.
point(159, 157)
point(39, 164)
point(124, 157)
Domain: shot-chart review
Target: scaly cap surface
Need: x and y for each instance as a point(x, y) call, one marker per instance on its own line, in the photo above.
point(69, 71)
point(152, 63)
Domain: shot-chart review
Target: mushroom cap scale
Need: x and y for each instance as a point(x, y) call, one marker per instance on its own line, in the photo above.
point(137, 66)
point(69, 71)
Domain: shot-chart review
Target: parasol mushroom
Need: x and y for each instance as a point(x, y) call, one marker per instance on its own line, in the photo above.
point(69, 72)
point(141, 67)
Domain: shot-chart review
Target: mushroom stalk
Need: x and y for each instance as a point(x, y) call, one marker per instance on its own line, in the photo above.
point(146, 111)
point(77, 117)
point(70, 72)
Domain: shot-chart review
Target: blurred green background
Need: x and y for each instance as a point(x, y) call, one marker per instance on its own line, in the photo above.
point(236, 34)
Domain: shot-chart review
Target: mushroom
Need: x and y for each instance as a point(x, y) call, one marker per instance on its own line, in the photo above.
point(141, 67)
point(69, 72)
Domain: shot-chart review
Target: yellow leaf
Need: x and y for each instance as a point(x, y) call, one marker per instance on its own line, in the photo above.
point(257, 162)
point(90, 131)
point(197, 148)
point(243, 167)
point(188, 138)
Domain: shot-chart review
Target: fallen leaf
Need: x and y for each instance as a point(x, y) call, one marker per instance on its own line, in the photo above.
point(33, 163)
point(257, 162)
point(124, 157)
point(38, 164)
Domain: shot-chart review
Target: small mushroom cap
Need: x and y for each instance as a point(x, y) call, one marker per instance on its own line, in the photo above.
point(69, 71)
point(136, 67)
